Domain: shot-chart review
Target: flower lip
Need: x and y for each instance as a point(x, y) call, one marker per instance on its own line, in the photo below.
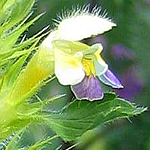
point(89, 88)
point(68, 68)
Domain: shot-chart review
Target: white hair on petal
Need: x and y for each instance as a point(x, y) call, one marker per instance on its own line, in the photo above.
point(78, 23)
point(80, 11)
point(70, 13)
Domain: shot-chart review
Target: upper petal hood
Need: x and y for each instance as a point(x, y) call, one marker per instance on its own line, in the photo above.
point(82, 25)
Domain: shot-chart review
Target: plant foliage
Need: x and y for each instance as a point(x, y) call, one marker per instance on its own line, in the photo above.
point(19, 81)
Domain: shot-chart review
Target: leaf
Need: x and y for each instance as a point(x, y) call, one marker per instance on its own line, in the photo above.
point(13, 37)
point(18, 10)
point(2, 3)
point(81, 116)
point(13, 72)
point(19, 140)
point(3, 13)
point(33, 108)
point(41, 143)
point(17, 136)
point(19, 50)
point(15, 125)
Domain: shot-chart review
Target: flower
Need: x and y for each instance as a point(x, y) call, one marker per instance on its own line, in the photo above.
point(78, 64)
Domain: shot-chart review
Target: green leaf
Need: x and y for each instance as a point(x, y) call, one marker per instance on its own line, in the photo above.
point(18, 10)
point(13, 37)
point(13, 72)
point(3, 13)
point(19, 140)
point(2, 3)
point(81, 116)
point(33, 108)
point(41, 143)
point(13, 143)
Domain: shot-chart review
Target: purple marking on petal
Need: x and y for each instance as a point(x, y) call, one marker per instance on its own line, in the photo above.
point(89, 88)
point(110, 79)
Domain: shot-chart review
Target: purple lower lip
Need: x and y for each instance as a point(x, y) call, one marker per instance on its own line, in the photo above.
point(89, 89)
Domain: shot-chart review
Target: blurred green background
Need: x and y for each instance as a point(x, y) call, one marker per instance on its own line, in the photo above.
point(126, 50)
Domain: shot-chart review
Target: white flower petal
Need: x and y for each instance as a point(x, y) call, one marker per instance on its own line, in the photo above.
point(83, 25)
point(68, 68)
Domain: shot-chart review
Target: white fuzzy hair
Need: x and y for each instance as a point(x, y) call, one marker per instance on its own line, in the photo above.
point(79, 23)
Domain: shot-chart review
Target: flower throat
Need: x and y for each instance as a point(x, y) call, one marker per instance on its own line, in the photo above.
point(88, 66)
